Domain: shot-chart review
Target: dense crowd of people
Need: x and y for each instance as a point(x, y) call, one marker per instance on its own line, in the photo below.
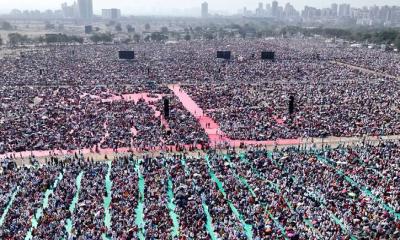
point(340, 108)
point(293, 193)
point(69, 118)
point(78, 97)
point(83, 97)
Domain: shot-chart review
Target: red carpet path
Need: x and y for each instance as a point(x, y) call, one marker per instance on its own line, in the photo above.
point(215, 134)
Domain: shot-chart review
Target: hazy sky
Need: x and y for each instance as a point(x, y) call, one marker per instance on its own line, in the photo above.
point(148, 6)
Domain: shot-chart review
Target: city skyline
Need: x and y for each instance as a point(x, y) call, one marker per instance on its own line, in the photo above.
point(154, 7)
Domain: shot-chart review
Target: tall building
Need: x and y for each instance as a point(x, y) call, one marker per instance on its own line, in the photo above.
point(274, 9)
point(268, 9)
point(204, 9)
point(289, 11)
point(85, 9)
point(334, 9)
point(344, 10)
point(112, 13)
point(311, 13)
point(260, 9)
point(69, 11)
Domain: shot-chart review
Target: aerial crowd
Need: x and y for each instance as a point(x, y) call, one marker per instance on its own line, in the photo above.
point(71, 118)
point(83, 97)
point(294, 193)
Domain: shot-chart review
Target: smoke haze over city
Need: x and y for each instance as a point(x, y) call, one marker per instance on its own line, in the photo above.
point(154, 7)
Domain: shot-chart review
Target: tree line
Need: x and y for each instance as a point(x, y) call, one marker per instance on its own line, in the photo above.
point(15, 39)
point(370, 35)
point(213, 31)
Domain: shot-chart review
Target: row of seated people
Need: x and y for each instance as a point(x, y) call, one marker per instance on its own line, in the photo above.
point(293, 193)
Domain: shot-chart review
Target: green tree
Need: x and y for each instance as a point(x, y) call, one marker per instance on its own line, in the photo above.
point(127, 40)
point(40, 39)
point(397, 42)
point(6, 26)
point(137, 38)
point(242, 33)
point(130, 29)
point(385, 36)
point(187, 37)
point(17, 39)
point(118, 27)
point(176, 35)
point(101, 37)
point(1, 41)
point(164, 30)
point(62, 38)
point(53, 38)
point(147, 27)
point(158, 37)
point(75, 39)
point(49, 26)
point(110, 23)
point(208, 36)
point(198, 29)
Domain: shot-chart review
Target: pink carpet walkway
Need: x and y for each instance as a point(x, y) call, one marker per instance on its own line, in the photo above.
point(213, 130)
point(215, 134)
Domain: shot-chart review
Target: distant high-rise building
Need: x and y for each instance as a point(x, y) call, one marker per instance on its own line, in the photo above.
point(112, 13)
point(334, 9)
point(204, 9)
point(274, 9)
point(326, 12)
point(260, 9)
point(311, 12)
point(85, 9)
point(289, 11)
point(246, 12)
point(280, 12)
point(374, 12)
point(69, 11)
point(268, 9)
point(344, 10)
